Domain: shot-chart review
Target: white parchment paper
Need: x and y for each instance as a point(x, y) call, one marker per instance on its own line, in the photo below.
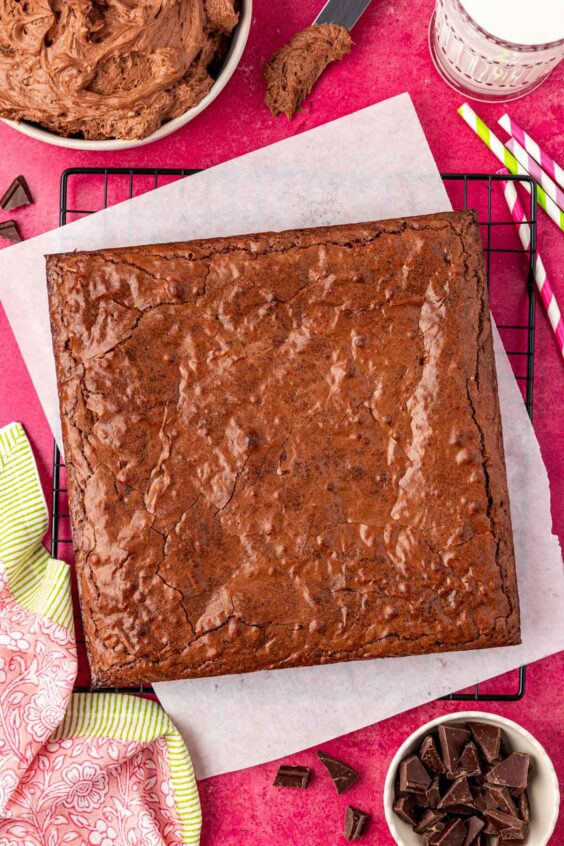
point(370, 165)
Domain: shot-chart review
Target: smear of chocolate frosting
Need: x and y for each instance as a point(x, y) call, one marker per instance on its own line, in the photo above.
point(109, 68)
point(292, 72)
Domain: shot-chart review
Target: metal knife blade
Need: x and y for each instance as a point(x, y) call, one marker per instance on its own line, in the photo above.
point(343, 12)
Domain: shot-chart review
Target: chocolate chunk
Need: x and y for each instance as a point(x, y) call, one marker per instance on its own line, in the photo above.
point(482, 799)
point(434, 832)
point(454, 834)
point(490, 829)
point(407, 810)
point(430, 756)
point(524, 807)
point(469, 763)
point(509, 827)
point(488, 738)
point(513, 772)
point(428, 820)
point(355, 820)
point(9, 231)
point(18, 194)
point(474, 826)
point(288, 776)
point(453, 740)
point(500, 799)
point(414, 778)
point(431, 797)
point(461, 810)
point(458, 794)
point(341, 774)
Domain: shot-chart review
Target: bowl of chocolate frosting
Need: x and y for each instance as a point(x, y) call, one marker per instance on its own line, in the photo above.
point(112, 74)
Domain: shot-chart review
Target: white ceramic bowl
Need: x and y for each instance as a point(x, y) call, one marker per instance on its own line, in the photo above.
point(544, 795)
point(238, 42)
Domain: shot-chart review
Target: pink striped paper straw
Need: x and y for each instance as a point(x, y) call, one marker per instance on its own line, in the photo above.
point(543, 283)
point(543, 159)
point(535, 170)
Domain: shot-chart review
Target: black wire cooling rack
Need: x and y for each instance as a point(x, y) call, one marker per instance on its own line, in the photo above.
point(514, 311)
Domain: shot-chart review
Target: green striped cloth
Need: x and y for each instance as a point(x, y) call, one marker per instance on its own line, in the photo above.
point(123, 717)
point(42, 586)
point(35, 580)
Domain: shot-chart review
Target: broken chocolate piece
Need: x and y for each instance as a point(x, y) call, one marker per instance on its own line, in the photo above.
point(9, 231)
point(431, 797)
point(18, 194)
point(454, 834)
point(414, 778)
point(469, 763)
point(512, 772)
point(474, 826)
point(453, 740)
point(428, 820)
point(355, 820)
point(434, 832)
point(288, 776)
point(407, 810)
point(458, 794)
point(510, 828)
point(500, 799)
point(341, 774)
point(430, 756)
point(482, 799)
point(461, 810)
point(524, 807)
point(488, 738)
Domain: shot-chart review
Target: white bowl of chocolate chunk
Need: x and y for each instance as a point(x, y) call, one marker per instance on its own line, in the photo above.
point(471, 779)
point(111, 76)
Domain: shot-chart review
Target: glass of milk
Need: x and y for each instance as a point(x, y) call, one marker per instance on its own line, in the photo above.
point(496, 50)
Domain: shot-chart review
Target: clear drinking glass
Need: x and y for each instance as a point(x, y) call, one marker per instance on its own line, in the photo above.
point(486, 66)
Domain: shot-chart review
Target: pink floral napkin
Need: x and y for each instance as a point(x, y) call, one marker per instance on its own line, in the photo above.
point(87, 769)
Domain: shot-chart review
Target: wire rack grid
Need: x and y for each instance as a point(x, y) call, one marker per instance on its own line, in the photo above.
point(515, 319)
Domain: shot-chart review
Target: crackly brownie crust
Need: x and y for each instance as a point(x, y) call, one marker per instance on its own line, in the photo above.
point(284, 449)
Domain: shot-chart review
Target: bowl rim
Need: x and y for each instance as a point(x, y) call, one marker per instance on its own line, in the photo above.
point(236, 49)
point(457, 716)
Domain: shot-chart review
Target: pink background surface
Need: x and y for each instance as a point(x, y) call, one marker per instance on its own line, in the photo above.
point(391, 56)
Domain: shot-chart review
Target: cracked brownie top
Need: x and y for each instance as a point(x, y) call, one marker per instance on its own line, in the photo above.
point(284, 449)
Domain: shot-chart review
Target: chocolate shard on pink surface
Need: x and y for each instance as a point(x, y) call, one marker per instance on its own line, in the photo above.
point(10, 232)
point(428, 820)
point(16, 195)
point(501, 799)
point(414, 778)
point(452, 740)
point(524, 807)
point(341, 774)
point(512, 772)
point(454, 834)
point(488, 738)
point(469, 763)
point(292, 776)
point(474, 825)
point(407, 809)
point(355, 821)
point(430, 757)
point(458, 794)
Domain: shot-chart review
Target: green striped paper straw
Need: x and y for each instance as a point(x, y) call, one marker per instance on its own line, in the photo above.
point(499, 150)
